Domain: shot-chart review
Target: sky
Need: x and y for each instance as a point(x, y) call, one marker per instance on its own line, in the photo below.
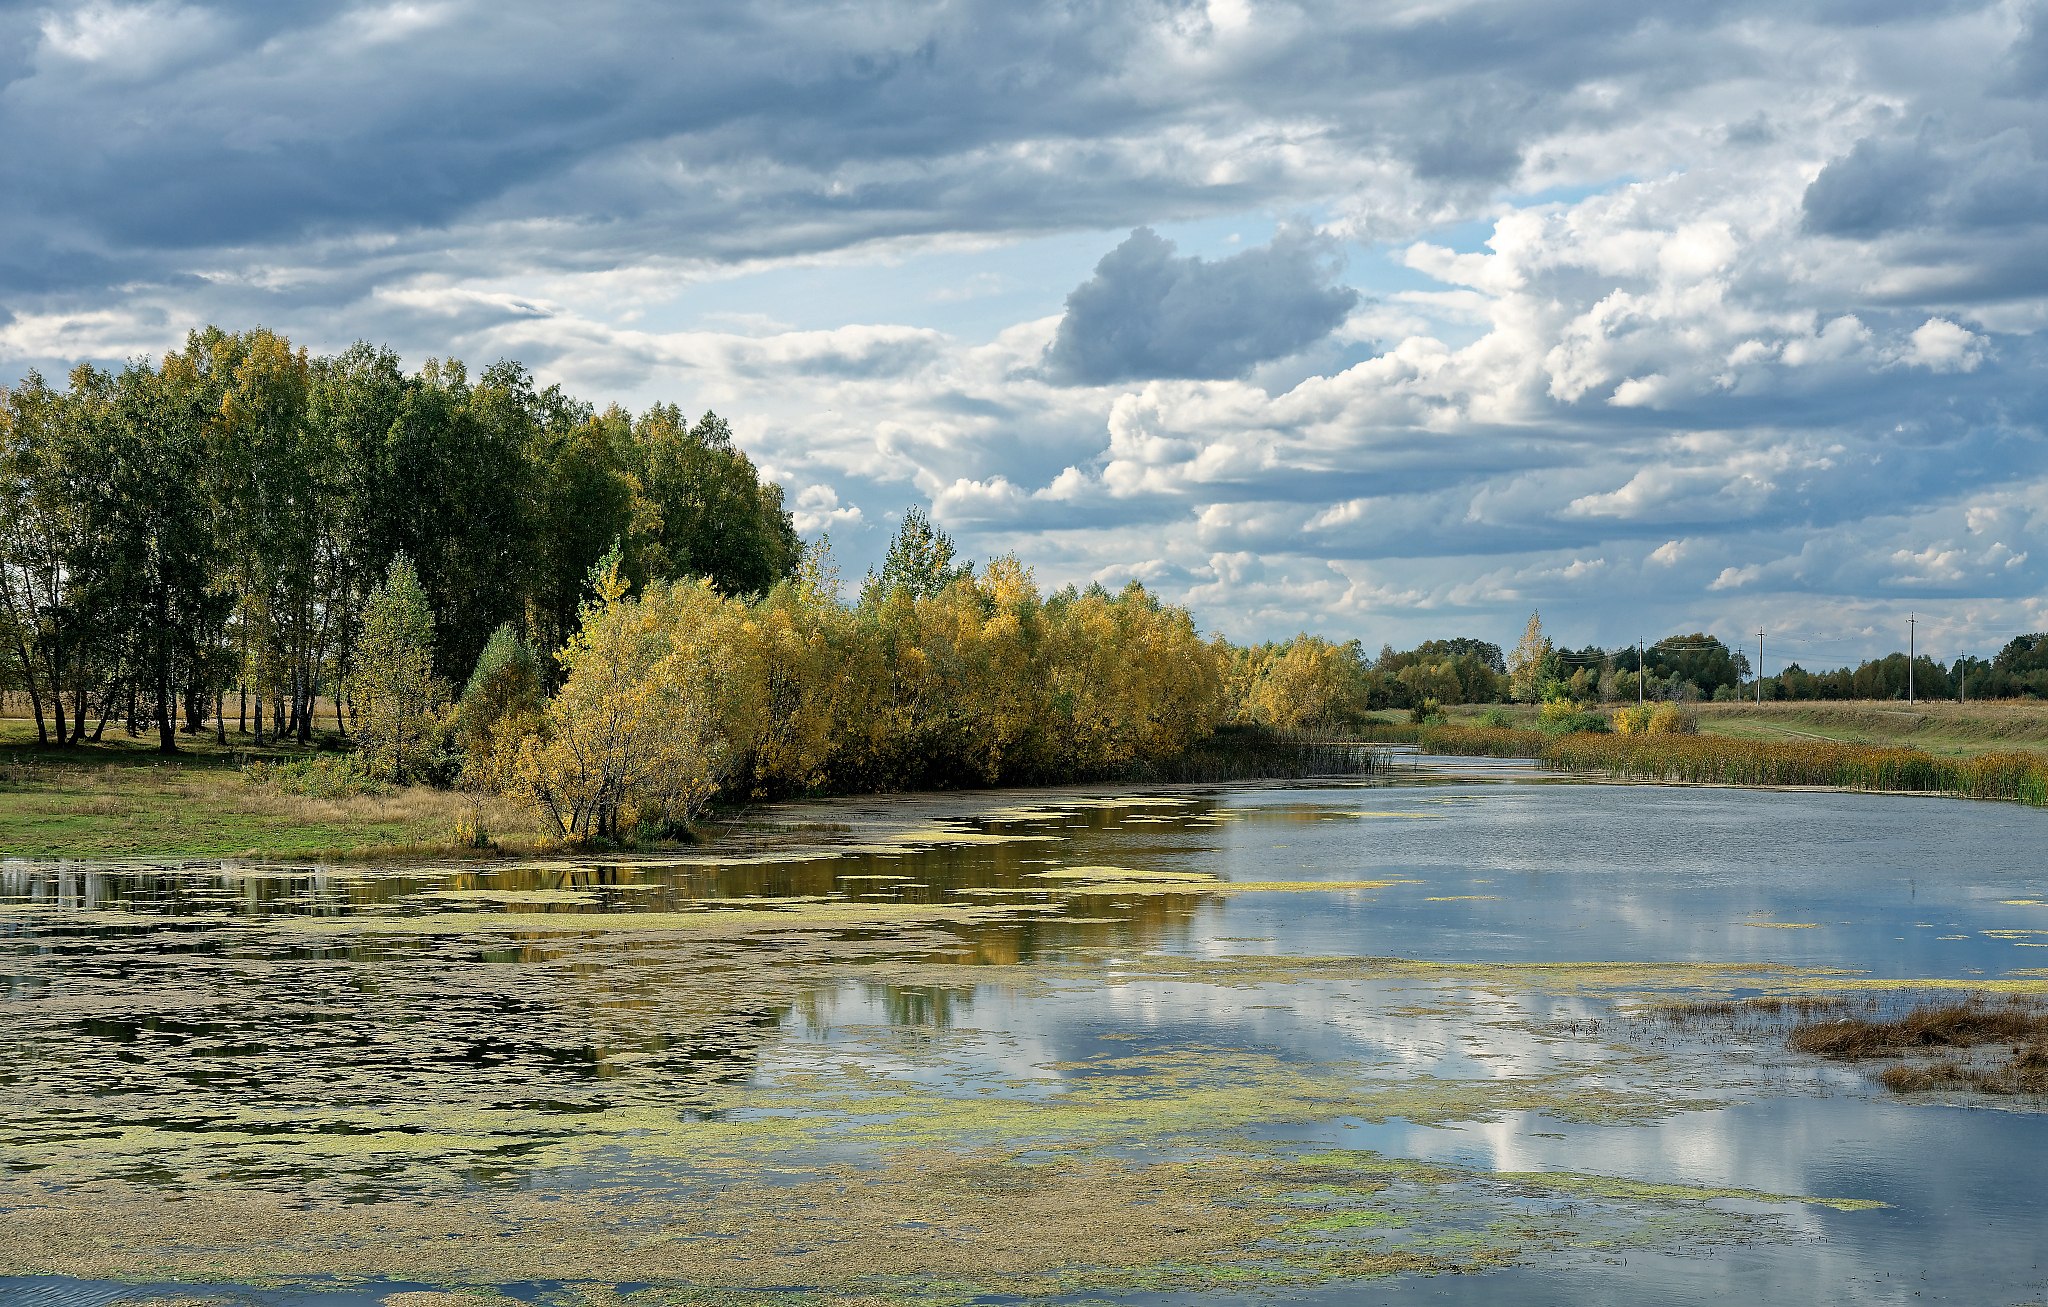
point(1385, 321)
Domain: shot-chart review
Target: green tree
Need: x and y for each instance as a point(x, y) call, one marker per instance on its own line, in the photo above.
point(711, 514)
point(397, 696)
point(154, 519)
point(919, 563)
point(272, 492)
point(588, 500)
point(42, 525)
point(501, 704)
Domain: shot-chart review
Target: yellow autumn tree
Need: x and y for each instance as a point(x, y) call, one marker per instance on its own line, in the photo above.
point(1308, 685)
point(662, 698)
point(1130, 680)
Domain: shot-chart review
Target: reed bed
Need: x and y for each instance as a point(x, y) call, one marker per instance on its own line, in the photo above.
point(1241, 753)
point(1484, 741)
point(1716, 760)
point(2014, 1035)
point(1726, 760)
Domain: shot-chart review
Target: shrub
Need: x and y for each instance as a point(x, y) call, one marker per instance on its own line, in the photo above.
point(1672, 719)
point(1656, 719)
point(1634, 719)
point(1562, 716)
point(1557, 710)
point(328, 776)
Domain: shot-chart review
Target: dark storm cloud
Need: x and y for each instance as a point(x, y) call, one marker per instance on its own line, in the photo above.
point(633, 128)
point(1148, 312)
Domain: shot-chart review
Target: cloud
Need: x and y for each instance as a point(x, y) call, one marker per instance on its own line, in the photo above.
point(1941, 346)
point(1758, 277)
point(1148, 312)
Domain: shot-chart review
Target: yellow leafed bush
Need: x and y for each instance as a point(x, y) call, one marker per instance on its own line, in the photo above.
point(681, 694)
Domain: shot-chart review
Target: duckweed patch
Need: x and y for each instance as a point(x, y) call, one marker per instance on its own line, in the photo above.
point(962, 1223)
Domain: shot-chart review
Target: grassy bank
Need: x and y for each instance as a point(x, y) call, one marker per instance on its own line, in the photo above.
point(121, 799)
point(1949, 729)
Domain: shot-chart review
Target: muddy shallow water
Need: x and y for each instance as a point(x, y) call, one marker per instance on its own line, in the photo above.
point(1399, 1041)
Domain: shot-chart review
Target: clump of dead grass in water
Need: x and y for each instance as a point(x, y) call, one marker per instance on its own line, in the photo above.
point(2016, 1027)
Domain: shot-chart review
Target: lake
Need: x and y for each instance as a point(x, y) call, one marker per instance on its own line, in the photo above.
point(1418, 1038)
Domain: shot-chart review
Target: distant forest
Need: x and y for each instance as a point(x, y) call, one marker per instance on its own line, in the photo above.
point(1684, 668)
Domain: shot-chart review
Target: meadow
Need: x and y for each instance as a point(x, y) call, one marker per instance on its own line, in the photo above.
point(120, 799)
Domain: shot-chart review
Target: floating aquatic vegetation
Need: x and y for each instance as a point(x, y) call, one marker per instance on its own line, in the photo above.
point(510, 895)
point(719, 917)
point(1125, 875)
point(1161, 885)
point(677, 1095)
point(1000, 1222)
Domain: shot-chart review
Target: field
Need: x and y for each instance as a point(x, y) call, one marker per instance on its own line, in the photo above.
point(120, 799)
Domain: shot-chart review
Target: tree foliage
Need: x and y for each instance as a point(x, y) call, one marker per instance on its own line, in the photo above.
point(1305, 685)
point(919, 563)
point(215, 522)
point(398, 697)
point(661, 700)
point(1532, 662)
point(681, 693)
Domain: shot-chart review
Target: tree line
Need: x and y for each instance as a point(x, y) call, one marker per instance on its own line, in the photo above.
point(215, 523)
point(675, 692)
point(1310, 682)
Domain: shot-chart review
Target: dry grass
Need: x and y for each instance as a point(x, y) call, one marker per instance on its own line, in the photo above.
point(1718, 760)
point(2018, 1029)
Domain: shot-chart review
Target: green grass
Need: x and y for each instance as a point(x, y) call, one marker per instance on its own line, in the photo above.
point(1948, 729)
point(120, 799)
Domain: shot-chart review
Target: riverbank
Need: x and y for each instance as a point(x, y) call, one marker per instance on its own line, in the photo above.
point(1944, 729)
point(1748, 759)
point(118, 799)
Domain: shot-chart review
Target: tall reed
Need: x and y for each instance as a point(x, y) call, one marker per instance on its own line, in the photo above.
point(1722, 761)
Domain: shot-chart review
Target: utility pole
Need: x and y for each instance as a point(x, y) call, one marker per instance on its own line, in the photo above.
point(1911, 619)
point(1759, 667)
point(1639, 673)
point(1963, 678)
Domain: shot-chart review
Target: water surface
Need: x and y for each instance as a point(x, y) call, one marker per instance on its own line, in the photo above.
point(986, 1048)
